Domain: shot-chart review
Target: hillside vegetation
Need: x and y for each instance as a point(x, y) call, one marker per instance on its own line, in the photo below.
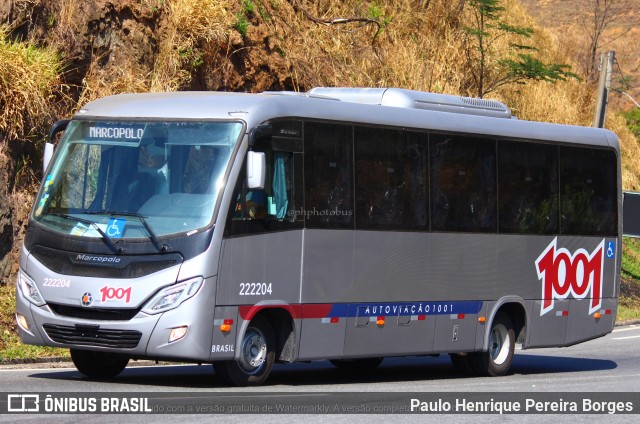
point(156, 45)
point(56, 55)
point(572, 24)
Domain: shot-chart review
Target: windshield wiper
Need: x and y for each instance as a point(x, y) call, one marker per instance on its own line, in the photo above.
point(117, 249)
point(162, 247)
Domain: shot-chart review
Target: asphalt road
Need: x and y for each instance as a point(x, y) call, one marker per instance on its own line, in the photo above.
point(608, 364)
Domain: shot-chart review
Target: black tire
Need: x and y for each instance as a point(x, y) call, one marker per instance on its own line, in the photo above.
point(257, 355)
point(359, 364)
point(502, 340)
point(463, 363)
point(98, 365)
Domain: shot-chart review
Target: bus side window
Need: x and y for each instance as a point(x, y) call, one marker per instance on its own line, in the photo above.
point(272, 207)
point(463, 183)
point(588, 180)
point(527, 188)
point(328, 178)
point(391, 187)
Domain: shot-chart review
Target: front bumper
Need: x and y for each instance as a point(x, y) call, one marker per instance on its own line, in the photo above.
point(141, 336)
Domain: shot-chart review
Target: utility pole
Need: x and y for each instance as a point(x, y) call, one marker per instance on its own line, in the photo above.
point(604, 85)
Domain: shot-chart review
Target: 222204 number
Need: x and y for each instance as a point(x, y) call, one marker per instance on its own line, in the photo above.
point(255, 289)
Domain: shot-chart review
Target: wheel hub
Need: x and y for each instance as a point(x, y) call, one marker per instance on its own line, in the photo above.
point(254, 351)
point(500, 345)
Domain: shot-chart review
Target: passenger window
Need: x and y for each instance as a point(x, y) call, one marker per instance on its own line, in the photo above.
point(527, 188)
point(463, 183)
point(328, 175)
point(588, 192)
point(391, 181)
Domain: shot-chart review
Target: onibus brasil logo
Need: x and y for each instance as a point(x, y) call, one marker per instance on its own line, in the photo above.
point(562, 274)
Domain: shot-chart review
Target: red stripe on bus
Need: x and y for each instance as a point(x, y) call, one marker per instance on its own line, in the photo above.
point(297, 311)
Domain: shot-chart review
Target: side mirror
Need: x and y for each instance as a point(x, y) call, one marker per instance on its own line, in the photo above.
point(256, 169)
point(49, 147)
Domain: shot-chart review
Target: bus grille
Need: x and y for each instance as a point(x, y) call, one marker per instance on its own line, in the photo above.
point(89, 336)
point(106, 314)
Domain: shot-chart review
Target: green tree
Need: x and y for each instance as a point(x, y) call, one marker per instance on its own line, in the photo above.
point(492, 67)
point(633, 121)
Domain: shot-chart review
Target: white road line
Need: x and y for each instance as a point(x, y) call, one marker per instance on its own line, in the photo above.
point(630, 328)
point(625, 338)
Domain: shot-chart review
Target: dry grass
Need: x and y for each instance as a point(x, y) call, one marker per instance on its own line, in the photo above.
point(630, 151)
point(190, 24)
point(127, 78)
point(187, 25)
point(29, 81)
point(418, 47)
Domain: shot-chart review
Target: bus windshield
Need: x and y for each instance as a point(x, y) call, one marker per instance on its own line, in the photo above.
point(136, 179)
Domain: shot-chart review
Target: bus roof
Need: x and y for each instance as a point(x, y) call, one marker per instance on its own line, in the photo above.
point(364, 106)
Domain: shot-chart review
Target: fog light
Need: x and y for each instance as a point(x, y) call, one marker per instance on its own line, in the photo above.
point(22, 322)
point(177, 333)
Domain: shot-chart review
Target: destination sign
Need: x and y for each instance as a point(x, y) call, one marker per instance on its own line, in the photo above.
point(114, 132)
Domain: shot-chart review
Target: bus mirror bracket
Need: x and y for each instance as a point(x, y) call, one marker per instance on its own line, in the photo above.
point(256, 170)
point(49, 146)
point(264, 130)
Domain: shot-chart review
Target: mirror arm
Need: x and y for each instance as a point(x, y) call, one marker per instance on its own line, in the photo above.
point(49, 146)
point(264, 130)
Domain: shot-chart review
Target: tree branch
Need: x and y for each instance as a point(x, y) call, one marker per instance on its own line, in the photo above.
point(339, 21)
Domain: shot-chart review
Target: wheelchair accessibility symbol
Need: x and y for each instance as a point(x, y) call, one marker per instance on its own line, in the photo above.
point(115, 227)
point(611, 249)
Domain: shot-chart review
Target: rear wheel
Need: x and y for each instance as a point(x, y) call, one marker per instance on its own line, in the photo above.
point(98, 364)
point(502, 340)
point(257, 354)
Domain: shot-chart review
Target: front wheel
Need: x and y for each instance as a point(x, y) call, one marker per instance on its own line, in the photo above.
point(502, 340)
point(257, 354)
point(98, 365)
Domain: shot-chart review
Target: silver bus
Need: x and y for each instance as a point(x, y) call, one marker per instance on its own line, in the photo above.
point(339, 224)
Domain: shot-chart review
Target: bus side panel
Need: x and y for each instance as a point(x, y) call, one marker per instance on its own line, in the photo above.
point(390, 266)
point(379, 335)
point(455, 333)
point(482, 327)
point(376, 266)
point(223, 343)
point(463, 267)
point(583, 326)
point(328, 268)
point(260, 268)
point(321, 338)
point(550, 329)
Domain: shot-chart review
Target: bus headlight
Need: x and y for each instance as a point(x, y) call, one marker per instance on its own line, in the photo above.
point(29, 289)
point(172, 296)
